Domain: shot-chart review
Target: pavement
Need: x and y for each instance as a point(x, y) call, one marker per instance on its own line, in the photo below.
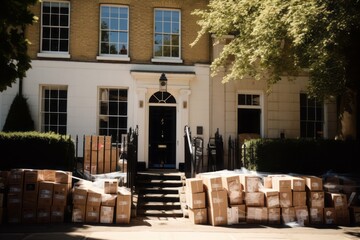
point(173, 229)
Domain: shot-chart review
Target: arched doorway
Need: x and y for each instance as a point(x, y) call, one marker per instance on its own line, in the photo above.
point(162, 130)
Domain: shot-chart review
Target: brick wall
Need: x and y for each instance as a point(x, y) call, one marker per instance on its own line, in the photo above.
point(84, 29)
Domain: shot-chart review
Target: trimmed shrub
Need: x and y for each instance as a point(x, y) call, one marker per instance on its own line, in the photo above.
point(306, 156)
point(36, 150)
point(19, 117)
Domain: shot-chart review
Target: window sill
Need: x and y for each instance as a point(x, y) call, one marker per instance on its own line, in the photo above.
point(54, 55)
point(111, 58)
point(167, 60)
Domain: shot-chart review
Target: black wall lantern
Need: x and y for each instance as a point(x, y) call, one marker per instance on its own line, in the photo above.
point(163, 83)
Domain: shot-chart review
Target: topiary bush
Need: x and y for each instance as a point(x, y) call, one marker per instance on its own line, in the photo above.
point(19, 117)
point(36, 150)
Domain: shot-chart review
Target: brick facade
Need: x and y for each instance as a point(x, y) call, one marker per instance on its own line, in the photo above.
point(84, 30)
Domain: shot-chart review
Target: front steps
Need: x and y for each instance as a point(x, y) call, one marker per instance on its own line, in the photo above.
point(158, 193)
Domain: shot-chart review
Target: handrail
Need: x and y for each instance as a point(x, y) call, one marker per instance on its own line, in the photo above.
point(188, 138)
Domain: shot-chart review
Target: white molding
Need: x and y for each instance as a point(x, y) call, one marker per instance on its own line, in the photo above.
point(166, 60)
point(54, 55)
point(113, 58)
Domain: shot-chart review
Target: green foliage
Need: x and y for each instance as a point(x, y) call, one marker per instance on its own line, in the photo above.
point(36, 150)
point(273, 38)
point(19, 117)
point(303, 156)
point(14, 60)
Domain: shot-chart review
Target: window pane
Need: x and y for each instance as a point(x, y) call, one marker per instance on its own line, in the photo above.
point(114, 37)
point(105, 23)
point(46, 32)
point(105, 11)
point(175, 52)
point(105, 48)
point(166, 52)
point(62, 119)
point(158, 50)
point(175, 40)
point(114, 24)
point(46, 19)
point(158, 27)
point(46, 45)
point(63, 94)
point(175, 16)
point(54, 20)
point(113, 108)
point(55, 33)
point(123, 13)
point(114, 12)
point(167, 27)
point(166, 39)
point(167, 16)
point(123, 37)
point(62, 106)
point(123, 25)
point(64, 20)
point(55, 7)
point(123, 108)
point(63, 45)
point(241, 99)
point(175, 28)
point(158, 39)
point(46, 7)
point(158, 15)
point(64, 33)
point(64, 9)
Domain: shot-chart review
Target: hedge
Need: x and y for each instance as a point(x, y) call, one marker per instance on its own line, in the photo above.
point(305, 156)
point(36, 150)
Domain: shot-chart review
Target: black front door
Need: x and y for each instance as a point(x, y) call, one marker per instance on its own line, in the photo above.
point(162, 137)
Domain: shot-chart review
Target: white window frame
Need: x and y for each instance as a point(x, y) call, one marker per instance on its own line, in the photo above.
point(42, 103)
point(99, 115)
point(260, 107)
point(114, 57)
point(324, 125)
point(162, 59)
point(54, 54)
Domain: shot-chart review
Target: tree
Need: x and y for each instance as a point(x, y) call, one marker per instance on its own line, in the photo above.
point(274, 38)
point(19, 117)
point(14, 60)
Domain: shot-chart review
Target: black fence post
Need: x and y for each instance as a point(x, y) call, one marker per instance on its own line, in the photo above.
point(188, 152)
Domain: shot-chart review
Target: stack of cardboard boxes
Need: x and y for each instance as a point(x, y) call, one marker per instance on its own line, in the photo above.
point(195, 200)
point(100, 156)
point(92, 204)
point(217, 199)
point(37, 195)
point(273, 199)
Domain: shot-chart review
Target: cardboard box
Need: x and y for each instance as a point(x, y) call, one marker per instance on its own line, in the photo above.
point(60, 194)
point(33, 176)
point(257, 215)
point(48, 175)
point(92, 214)
point(333, 184)
point(112, 160)
point(274, 215)
point(299, 198)
point(1, 200)
point(302, 215)
point(241, 212)
point(267, 182)
point(281, 184)
point(198, 216)
point(255, 199)
point(298, 184)
point(58, 212)
point(14, 215)
point(212, 183)
point(236, 197)
point(43, 214)
point(111, 186)
point(232, 215)
point(30, 194)
point(342, 216)
point(288, 215)
point(354, 215)
point(232, 183)
point(316, 215)
point(217, 216)
point(63, 177)
point(313, 183)
point(94, 198)
point(97, 142)
point(123, 206)
point(316, 199)
point(106, 214)
point(78, 213)
point(271, 198)
point(15, 188)
point(196, 200)
point(79, 196)
point(4, 175)
point(285, 199)
point(108, 200)
point(29, 215)
point(46, 190)
point(194, 185)
point(336, 200)
point(329, 216)
point(14, 200)
point(16, 176)
point(250, 183)
point(218, 199)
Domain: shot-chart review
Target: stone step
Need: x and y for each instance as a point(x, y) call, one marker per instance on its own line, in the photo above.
point(161, 213)
point(153, 197)
point(158, 183)
point(164, 190)
point(161, 205)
